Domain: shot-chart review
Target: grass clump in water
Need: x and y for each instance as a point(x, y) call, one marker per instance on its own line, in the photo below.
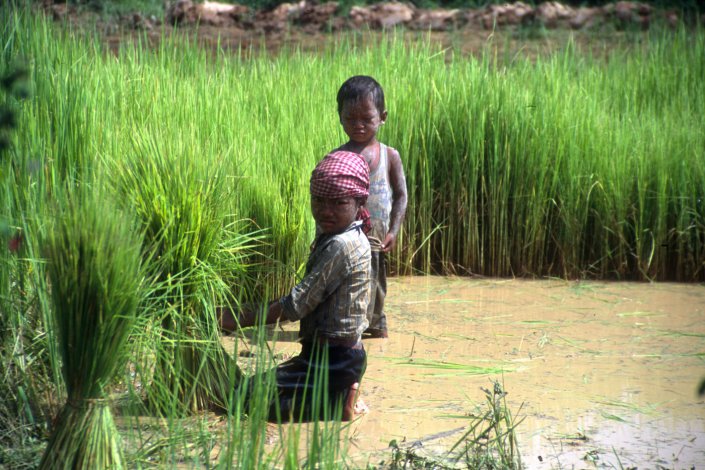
point(489, 443)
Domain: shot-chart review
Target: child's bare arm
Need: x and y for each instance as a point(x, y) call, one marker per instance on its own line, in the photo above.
point(273, 314)
point(397, 180)
point(248, 316)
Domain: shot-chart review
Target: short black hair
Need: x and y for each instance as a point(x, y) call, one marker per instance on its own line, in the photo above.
point(360, 87)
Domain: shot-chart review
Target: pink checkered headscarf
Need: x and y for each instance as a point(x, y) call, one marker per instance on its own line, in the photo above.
point(343, 174)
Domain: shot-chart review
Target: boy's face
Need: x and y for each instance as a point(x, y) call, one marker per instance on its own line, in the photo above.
point(361, 119)
point(333, 215)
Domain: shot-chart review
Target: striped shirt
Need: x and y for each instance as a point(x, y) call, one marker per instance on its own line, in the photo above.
point(331, 300)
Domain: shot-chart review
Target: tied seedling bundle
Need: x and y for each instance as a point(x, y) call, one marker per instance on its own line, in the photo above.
point(198, 258)
point(94, 271)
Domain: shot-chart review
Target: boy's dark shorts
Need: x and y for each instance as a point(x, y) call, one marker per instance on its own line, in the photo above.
point(296, 377)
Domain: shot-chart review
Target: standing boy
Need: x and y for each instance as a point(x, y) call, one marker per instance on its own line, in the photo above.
point(362, 112)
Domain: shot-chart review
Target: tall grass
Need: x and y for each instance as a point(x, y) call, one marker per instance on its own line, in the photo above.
point(27, 355)
point(565, 165)
point(569, 166)
point(488, 443)
point(196, 258)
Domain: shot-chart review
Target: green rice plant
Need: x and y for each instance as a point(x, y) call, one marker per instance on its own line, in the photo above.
point(95, 276)
point(198, 258)
point(25, 377)
point(194, 441)
point(490, 442)
point(680, 334)
point(245, 439)
point(311, 437)
point(29, 395)
point(537, 177)
point(646, 409)
point(407, 457)
point(612, 417)
point(453, 369)
point(566, 165)
point(554, 166)
point(26, 382)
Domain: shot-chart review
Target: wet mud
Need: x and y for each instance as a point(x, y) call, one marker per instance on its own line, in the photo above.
point(604, 375)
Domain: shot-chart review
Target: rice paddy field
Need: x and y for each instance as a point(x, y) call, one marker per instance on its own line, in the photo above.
point(597, 374)
point(145, 186)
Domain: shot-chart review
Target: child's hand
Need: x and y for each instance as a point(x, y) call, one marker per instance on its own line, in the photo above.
point(252, 314)
point(389, 242)
point(229, 321)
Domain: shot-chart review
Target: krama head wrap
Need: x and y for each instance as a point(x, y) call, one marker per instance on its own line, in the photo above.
point(343, 174)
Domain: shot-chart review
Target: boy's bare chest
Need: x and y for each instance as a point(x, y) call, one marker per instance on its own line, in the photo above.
point(371, 155)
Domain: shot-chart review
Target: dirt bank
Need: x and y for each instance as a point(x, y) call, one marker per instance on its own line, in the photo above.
point(309, 23)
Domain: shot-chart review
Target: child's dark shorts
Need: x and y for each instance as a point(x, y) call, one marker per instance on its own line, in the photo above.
point(299, 399)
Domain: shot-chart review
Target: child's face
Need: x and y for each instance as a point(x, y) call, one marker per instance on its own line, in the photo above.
point(361, 119)
point(333, 215)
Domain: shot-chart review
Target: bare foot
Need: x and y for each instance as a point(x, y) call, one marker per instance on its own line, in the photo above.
point(354, 406)
point(361, 407)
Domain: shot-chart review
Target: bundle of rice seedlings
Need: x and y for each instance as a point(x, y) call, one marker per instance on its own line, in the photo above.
point(94, 271)
point(198, 257)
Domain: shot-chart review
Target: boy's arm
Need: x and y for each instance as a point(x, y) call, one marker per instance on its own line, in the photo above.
point(272, 315)
point(303, 298)
point(328, 268)
point(248, 317)
point(397, 181)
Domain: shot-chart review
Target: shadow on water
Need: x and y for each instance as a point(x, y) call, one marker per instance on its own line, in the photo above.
point(604, 374)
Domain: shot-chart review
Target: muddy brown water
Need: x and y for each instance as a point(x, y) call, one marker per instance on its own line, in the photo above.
point(604, 375)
